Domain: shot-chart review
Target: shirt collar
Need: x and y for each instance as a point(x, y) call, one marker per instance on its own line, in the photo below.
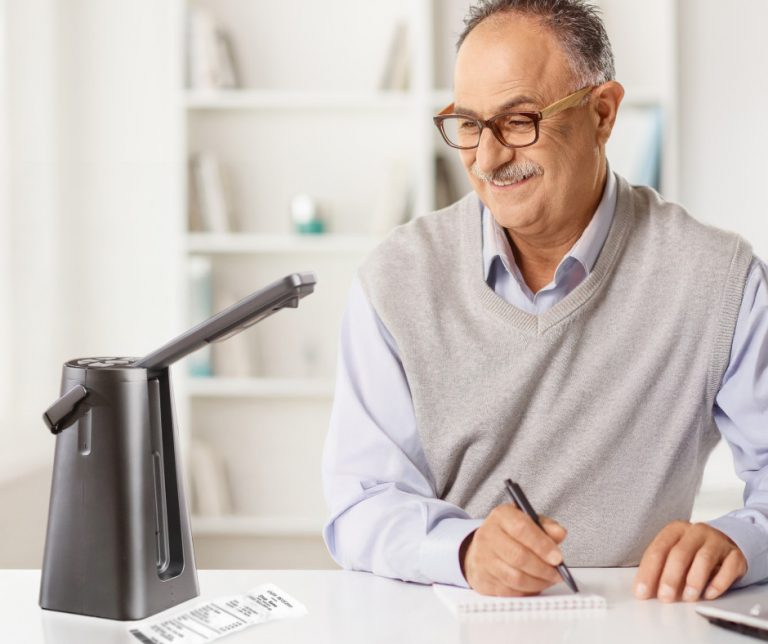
point(585, 250)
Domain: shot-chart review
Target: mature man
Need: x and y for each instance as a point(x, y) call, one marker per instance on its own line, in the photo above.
point(559, 327)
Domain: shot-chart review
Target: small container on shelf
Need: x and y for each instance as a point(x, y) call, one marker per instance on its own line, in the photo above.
point(305, 217)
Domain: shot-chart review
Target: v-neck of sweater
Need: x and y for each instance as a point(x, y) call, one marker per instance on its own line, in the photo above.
point(539, 324)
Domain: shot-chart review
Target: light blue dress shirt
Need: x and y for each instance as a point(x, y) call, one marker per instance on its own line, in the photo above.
point(384, 513)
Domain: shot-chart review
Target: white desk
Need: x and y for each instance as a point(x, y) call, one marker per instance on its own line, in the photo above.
point(359, 608)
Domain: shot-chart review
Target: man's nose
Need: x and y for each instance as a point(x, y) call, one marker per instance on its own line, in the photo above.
point(491, 153)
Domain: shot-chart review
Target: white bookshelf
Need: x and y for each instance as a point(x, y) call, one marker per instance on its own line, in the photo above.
point(311, 119)
point(277, 417)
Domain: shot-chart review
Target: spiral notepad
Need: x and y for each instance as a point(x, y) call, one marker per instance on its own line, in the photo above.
point(462, 600)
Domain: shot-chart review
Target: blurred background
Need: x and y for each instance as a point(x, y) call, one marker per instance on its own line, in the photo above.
point(161, 159)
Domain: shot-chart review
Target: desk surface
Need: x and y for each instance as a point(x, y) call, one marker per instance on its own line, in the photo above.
point(359, 608)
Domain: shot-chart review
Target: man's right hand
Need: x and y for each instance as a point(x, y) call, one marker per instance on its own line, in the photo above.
point(509, 555)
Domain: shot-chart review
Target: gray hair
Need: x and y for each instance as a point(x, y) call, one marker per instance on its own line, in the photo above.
point(576, 24)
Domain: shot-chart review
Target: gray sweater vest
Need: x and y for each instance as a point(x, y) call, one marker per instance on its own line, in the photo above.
point(601, 407)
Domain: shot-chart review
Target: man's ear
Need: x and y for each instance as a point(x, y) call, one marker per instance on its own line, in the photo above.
point(605, 101)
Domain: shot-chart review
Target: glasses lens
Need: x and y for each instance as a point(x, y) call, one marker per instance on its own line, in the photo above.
point(461, 132)
point(516, 130)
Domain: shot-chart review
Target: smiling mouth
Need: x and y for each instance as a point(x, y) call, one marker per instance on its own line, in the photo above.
point(511, 183)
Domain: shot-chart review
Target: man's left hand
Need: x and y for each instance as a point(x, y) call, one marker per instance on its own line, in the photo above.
point(688, 561)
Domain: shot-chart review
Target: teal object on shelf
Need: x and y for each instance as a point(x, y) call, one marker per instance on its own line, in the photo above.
point(311, 227)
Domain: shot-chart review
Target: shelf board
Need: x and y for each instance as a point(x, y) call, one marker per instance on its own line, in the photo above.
point(245, 243)
point(259, 387)
point(255, 99)
point(256, 526)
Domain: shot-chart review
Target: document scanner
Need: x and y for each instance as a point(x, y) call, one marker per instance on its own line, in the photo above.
point(118, 542)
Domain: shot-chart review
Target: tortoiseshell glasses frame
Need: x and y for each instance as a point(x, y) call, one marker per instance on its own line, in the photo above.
point(521, 127)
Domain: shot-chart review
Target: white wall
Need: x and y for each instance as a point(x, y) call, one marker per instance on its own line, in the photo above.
point(723, 135)
point(5, 221)
point(89, 236)
point(120, 141)
point(723, 123)
point(31, 252)
point(89, 131)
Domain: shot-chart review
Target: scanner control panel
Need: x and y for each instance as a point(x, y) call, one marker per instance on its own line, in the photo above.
point(102, 363)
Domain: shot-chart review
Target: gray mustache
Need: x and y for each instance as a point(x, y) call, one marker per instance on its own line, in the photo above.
point(508, 172)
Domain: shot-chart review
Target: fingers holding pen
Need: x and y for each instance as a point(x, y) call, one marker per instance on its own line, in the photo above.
point(507, 554)
point(519, 526)
point(521, 581)
point(515, 554)
point(554, 529)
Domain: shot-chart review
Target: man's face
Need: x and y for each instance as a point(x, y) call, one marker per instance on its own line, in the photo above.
point(511, 63)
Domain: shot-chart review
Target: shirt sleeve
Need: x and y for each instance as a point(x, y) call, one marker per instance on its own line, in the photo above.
point(741, 414)
point(385, 516)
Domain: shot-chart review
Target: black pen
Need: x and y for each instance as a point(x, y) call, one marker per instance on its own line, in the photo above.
point(520, 500)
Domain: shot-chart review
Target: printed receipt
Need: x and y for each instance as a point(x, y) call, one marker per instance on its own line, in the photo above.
point(221, 617)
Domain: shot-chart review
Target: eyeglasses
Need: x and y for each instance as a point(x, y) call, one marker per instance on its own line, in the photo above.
point(511, 129)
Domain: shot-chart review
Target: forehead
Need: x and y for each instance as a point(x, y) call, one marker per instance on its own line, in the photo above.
point(507, 56)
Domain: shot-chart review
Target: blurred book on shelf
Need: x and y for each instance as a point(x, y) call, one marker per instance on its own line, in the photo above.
point(199, 363)
point(397, 68)
point(210, 200)
point(211, 494)
point(634, 149)
point(393, 203)
point(210, 54)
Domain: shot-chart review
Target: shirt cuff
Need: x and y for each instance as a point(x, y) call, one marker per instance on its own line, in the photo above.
point(752, 542)
point(439, 552)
